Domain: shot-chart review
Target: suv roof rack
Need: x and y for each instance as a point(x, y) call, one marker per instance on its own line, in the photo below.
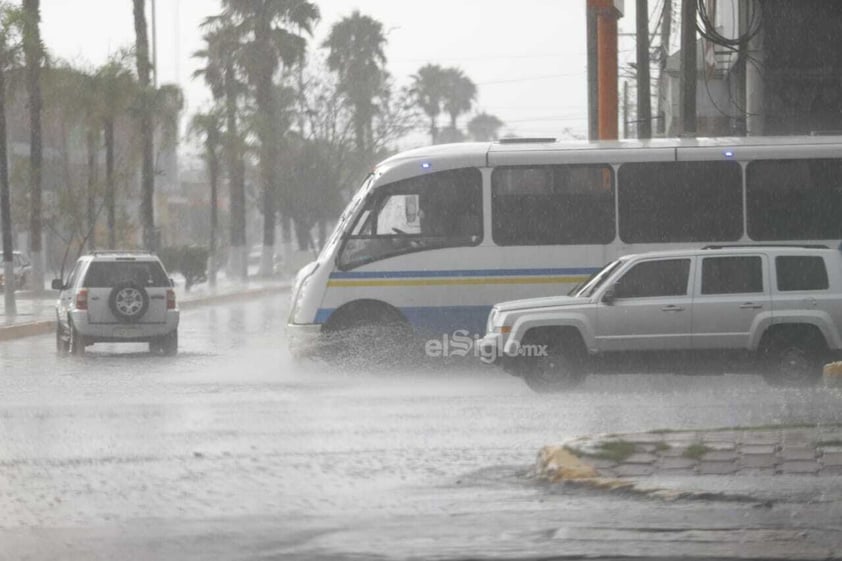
point(728, 246)
point(526, 140)
point(119, 251)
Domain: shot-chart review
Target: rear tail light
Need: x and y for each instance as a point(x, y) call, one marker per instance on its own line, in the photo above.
point(82, 299)
point(170, 299)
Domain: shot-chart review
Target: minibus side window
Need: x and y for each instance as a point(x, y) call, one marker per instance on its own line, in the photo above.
point(663, 202)
point(781, 193)
point(433, 211)
point(552, 205)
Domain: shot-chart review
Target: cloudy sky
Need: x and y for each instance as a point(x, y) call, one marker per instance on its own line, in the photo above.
point(527, 57)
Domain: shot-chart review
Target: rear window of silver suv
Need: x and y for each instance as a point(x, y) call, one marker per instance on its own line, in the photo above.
point(104, 274)
point(801, 272)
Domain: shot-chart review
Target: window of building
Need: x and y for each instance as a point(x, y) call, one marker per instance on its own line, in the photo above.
point(650, 279)
point(732, 275)
point(796, 272)
point(550, 205)
point(794, 199)
point(442, 209)
point(663, 202)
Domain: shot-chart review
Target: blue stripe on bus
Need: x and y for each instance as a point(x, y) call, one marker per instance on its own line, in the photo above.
point(463, 273)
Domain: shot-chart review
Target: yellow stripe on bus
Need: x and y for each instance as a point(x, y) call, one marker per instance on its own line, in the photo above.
point(456, 281)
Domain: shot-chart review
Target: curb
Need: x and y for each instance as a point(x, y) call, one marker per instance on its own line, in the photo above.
point(41, 327)
point(617, 462)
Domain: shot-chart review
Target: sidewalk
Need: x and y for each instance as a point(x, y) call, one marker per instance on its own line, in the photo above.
point(620, 460)
point(36, 313)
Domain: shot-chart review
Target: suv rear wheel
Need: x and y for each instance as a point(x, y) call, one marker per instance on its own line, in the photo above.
point(76, 345)
point(794, 358)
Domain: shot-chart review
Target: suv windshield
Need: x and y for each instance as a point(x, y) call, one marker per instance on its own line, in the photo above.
point(105, 274)
point(595, 281)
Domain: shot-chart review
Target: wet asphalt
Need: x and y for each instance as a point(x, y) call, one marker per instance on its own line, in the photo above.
point(233, 451)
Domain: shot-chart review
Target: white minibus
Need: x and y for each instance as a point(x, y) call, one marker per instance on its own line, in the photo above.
point(435, 236)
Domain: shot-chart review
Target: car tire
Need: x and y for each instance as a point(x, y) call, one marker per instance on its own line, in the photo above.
point(128, 301)
point(62, 345)
point(376, 338)
point(169, 344)
point(76, 344)
point(559, 370)
point(793, 364)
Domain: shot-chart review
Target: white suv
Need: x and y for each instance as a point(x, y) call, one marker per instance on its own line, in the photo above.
point(118, 296)
point(775, 311)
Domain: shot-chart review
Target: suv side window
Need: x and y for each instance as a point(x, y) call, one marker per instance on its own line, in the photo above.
point(654, 278)
point(732, 275)
point(796, 272)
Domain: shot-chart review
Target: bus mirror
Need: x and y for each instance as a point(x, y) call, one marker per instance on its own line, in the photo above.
point(608, 296)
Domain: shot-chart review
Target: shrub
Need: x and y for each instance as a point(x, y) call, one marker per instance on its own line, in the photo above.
point(191, 261)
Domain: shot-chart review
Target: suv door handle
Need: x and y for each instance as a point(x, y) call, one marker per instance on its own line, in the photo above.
point(672, 308)
point(750, 306)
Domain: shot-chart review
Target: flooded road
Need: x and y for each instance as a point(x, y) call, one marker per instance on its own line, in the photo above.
point(233, 451)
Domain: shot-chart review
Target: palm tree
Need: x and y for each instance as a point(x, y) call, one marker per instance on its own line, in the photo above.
point(208, 127)
point(34, 55)
point(147, 211)
point(430, 85)
point(271, 33)
point(356, 54)
point(9, 58)
point(484, 127)
point(220, 74)
point(459, 94)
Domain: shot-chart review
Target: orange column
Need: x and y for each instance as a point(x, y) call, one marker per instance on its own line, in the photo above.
point(607, 70)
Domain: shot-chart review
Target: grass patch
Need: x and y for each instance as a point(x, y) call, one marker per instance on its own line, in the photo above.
point(836, 442)
point(614, 450)
point(695, 451)
point(662, 447)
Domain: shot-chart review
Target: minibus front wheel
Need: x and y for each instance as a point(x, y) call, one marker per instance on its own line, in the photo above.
point(366, 334)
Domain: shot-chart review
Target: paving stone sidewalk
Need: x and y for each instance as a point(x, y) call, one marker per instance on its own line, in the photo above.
point(802, 450)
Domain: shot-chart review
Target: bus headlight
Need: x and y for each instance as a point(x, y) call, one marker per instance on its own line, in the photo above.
point(299, 288)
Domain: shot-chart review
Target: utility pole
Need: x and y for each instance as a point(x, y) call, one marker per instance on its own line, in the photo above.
point(755, 121)
point(593, 87)
point(689, 71)
point(644, 96)
point(607, 70)
point(626, 109)
point(666, 37)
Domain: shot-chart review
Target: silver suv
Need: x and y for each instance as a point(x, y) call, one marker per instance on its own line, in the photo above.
point(117, 296)
point(771, 310)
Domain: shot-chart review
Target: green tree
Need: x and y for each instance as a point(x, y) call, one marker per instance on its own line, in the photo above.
point(9, 59)
point(207, 127)
point(271, 33)
point(144, 67)
point(34, 54)
point(430, 86)
point(459, 94)
point(220, 74)
point(484, 127)
point(356, 54)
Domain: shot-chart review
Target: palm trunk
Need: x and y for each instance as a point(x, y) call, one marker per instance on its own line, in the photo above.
point(110, 188)
point(147, 210)
point(236, 181)
point(5, 207)
point(91, 233)
point(268, 165)
point(33, 54)
point(213, 171)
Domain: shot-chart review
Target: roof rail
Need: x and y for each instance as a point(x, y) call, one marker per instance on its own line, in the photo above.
point(728, 246)
point(116, 251)
point(526, 140)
